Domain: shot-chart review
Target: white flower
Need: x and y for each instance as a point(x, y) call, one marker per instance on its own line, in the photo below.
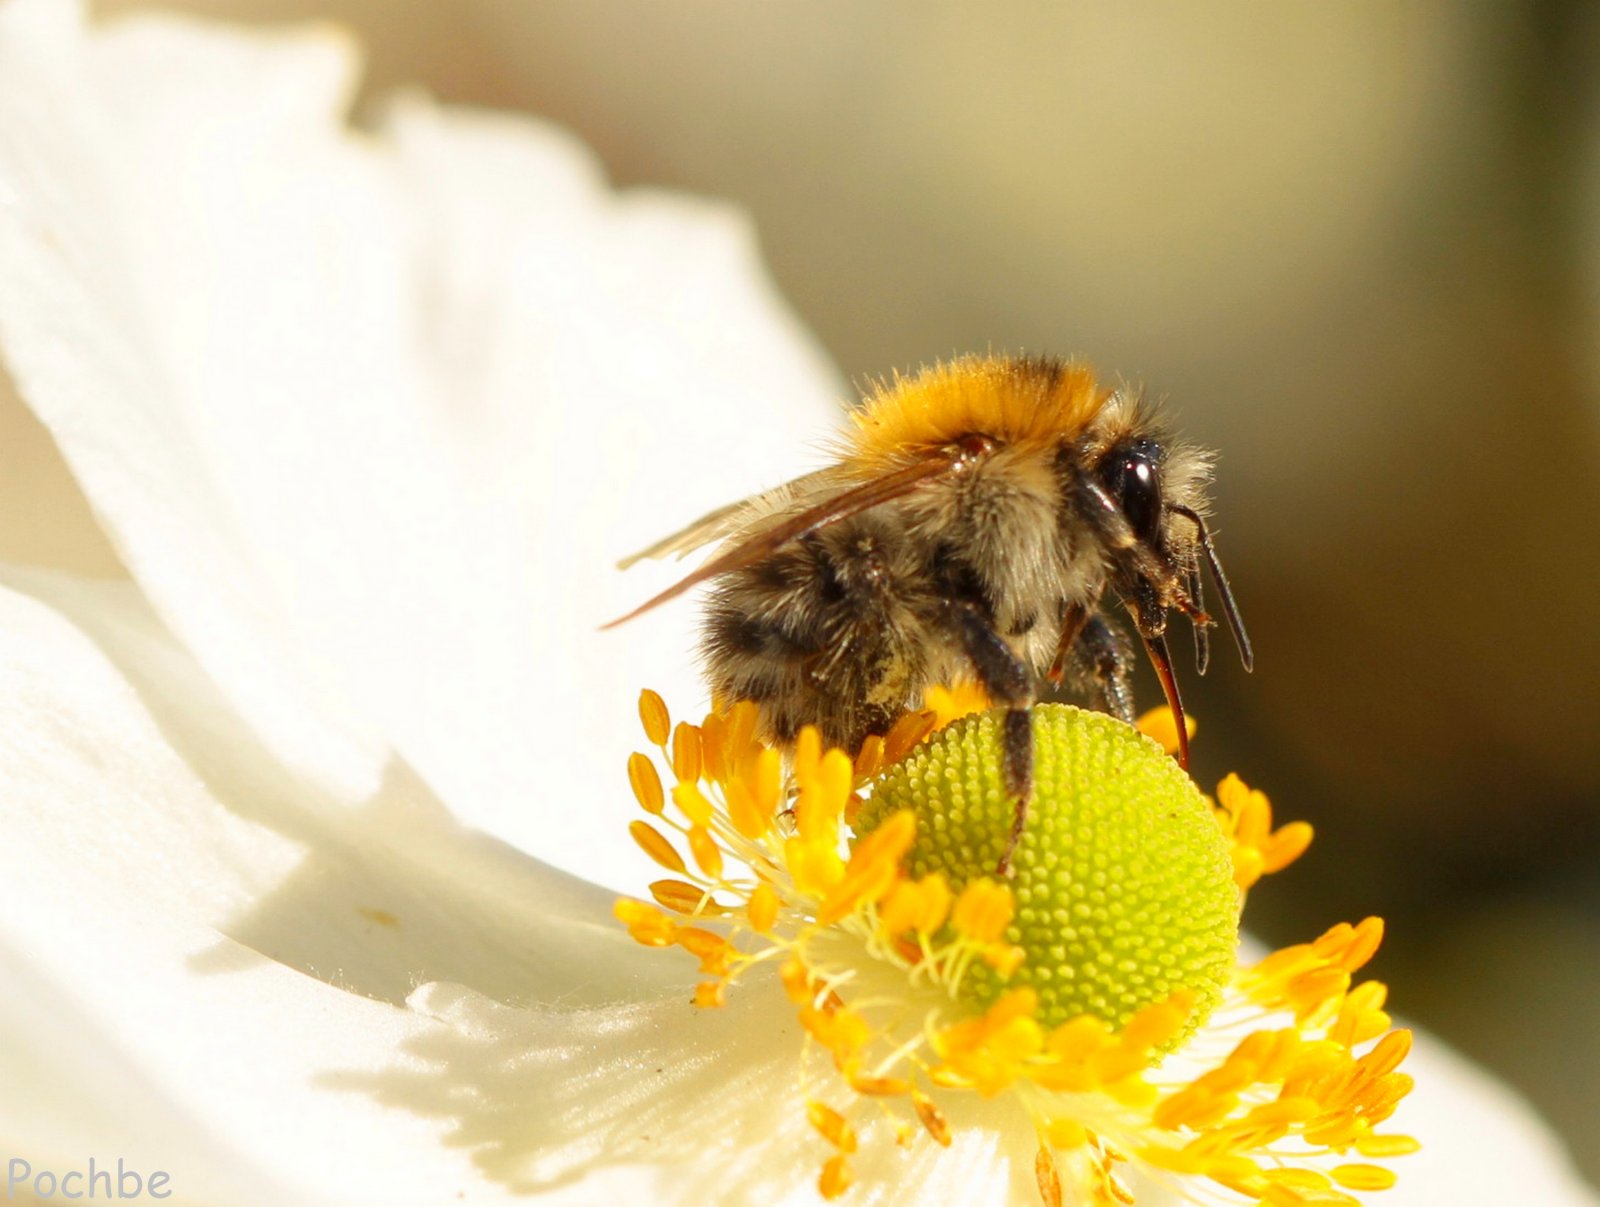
point(367, 418)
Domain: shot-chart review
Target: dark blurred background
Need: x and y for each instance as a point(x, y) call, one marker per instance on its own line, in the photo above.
point(1358, 248)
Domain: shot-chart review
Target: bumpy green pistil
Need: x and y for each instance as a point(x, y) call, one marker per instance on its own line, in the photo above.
point(1123, 884)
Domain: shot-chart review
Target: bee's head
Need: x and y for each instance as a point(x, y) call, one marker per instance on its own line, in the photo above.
point(1130, 474)
point(1146, 497)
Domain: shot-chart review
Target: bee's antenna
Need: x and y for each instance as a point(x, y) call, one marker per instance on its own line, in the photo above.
point(1202, 624)
point(1161, 659)
point(1229, 608)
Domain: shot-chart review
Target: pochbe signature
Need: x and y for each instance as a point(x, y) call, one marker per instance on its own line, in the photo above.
point(94, 1182)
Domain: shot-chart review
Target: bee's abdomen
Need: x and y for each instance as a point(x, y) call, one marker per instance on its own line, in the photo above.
point(824, 632)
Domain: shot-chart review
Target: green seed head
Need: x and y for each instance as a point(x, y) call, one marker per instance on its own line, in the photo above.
point(1123, 882)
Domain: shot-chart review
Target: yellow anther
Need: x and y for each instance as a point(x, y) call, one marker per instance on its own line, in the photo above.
point(958, 700)
point(706, 852)
point(881, 1087)
point(905, 734)
point(654, 845)
point(1077, 1040)
point(688, 797)
point(796, 981)
point(983, 911)
point(653, 713)
point(714, 748)
point(835, 1178)
point(1387, 1146)
point(1047, 1177)
point(686, 752)
point(713, 951)
point(679, 897)
point(710, 994)
point(1311, 990)
point(646, 783)
point(645, 923)
point(762, 908)
point(807, 754)
point(933, 1119)
point(1298, 1179)
point(869, 759)
point(1285, 846)
point(873, 869)
point(766, 780)
point(1065, 1134)
point(742, 719)
point(1159, 1023)
point(742, 811)
point(1363, 1177)
point(919, 905)
point(1004, 958)
point(814, 866)
point(1336, 1131)
point(1387, 1055)
point(1364, 942)
point(832, 1126)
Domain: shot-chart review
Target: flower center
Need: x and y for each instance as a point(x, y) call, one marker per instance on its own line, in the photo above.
point(1123, 881)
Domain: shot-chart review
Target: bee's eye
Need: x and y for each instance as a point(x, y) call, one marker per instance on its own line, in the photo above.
point(1132, 475)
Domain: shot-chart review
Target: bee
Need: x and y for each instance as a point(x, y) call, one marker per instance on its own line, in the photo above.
point(977, 522)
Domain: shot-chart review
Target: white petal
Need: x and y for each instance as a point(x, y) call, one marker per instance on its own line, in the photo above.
point(122, 765)
point(435, 386)
point(75, 335)
point(115, 856)
point(1482, 1145)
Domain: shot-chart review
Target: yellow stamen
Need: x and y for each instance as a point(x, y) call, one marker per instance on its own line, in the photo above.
point(832, 1126)
point(1363, 1177)
point(763, 908)
point(873, 869)
point(919, 905)
point(706, 852)
point(932, 1118)
point(686, 752)
point(835, 1179)
point(646, 783)
point(653, 713)
point(679, 897)
point(905, 733)
point(657, 847)
point(960, 699)
point(645, 924)
point(688, 797)
point(1047, 1177)
point(873, 903)
point(983, 911)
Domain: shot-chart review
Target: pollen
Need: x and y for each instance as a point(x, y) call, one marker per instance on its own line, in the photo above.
point(1098, 990)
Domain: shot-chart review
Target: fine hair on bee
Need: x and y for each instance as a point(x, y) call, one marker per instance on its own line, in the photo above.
point(977, 522)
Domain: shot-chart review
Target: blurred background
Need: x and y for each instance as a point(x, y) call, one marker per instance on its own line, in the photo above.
point(1356, 246)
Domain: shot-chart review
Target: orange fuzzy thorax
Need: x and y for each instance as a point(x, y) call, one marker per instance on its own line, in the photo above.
point(1019, 402)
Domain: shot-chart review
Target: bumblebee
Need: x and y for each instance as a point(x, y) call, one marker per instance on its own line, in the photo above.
point(975, 523)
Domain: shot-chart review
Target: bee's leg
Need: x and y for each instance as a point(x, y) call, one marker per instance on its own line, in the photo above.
point(1103, 654)
point(1073, 618)
point(1016, 745)
point(1008, 682)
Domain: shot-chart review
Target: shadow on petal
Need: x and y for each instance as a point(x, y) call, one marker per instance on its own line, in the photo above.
point(374, 897)
point(714, 1100)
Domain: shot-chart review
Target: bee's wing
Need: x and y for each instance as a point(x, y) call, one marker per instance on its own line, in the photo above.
point(737, 517)
point(767, 538)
